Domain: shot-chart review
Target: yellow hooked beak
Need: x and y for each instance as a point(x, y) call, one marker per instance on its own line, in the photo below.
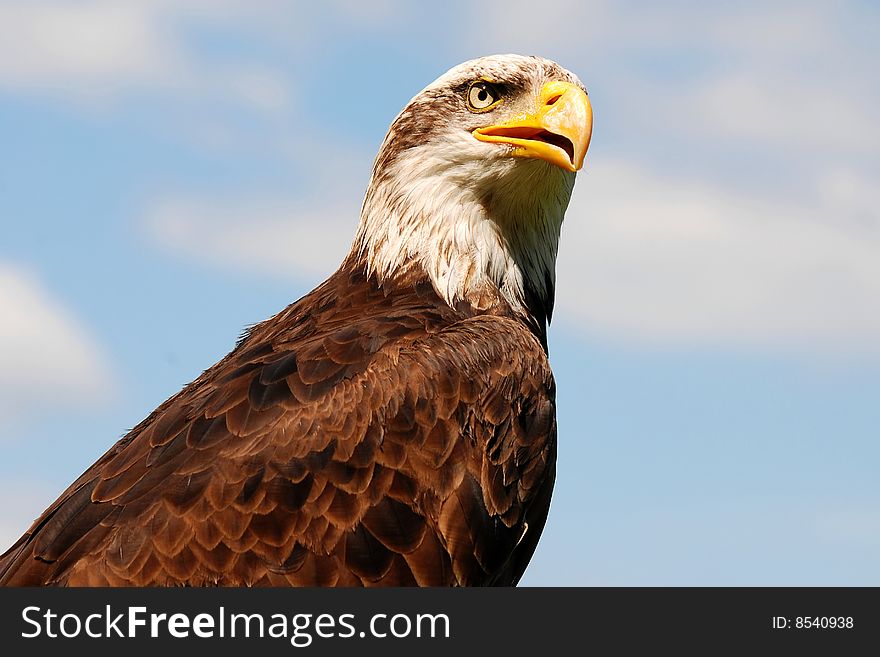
point(558, 131)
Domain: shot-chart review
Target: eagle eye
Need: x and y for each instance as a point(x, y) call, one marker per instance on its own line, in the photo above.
point(482, 96)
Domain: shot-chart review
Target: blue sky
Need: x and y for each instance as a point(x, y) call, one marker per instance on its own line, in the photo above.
point(172, 172)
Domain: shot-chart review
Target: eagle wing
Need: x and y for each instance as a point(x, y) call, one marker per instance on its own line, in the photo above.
point(366, 453)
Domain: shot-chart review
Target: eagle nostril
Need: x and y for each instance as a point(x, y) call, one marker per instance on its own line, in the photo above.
point(553, 99)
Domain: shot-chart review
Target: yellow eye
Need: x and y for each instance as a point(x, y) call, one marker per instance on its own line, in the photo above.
point(481, 96)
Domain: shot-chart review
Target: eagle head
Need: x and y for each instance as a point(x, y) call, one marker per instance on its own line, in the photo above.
point(472, 182)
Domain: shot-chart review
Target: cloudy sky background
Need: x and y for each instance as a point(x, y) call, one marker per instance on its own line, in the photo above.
point(172, 172)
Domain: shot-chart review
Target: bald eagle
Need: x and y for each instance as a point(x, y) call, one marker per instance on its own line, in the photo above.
point(395, 426)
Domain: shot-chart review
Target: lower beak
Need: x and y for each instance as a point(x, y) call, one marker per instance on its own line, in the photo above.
point(557, 132)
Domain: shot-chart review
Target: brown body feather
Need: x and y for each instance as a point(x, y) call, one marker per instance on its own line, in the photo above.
point(366, 435)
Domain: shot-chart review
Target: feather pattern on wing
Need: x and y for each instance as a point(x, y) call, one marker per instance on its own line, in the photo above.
point(357, 438)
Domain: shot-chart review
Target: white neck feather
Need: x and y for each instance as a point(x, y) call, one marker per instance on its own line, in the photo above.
point(476, 228)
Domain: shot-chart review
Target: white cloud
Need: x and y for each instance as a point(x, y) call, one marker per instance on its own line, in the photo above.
point(98, 50)
point(662, 260)
point(305, 237)
point(766, 109)
point(45, 353)
point(56, 42)
point(95, 51)
point(277, 238)
point(851, 193)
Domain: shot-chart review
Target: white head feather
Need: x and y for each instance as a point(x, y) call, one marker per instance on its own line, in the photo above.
point(479, 222)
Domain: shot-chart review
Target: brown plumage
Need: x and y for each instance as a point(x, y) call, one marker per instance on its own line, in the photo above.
point(376, 432)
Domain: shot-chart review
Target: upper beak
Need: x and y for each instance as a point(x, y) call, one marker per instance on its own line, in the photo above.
point(558, 131)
